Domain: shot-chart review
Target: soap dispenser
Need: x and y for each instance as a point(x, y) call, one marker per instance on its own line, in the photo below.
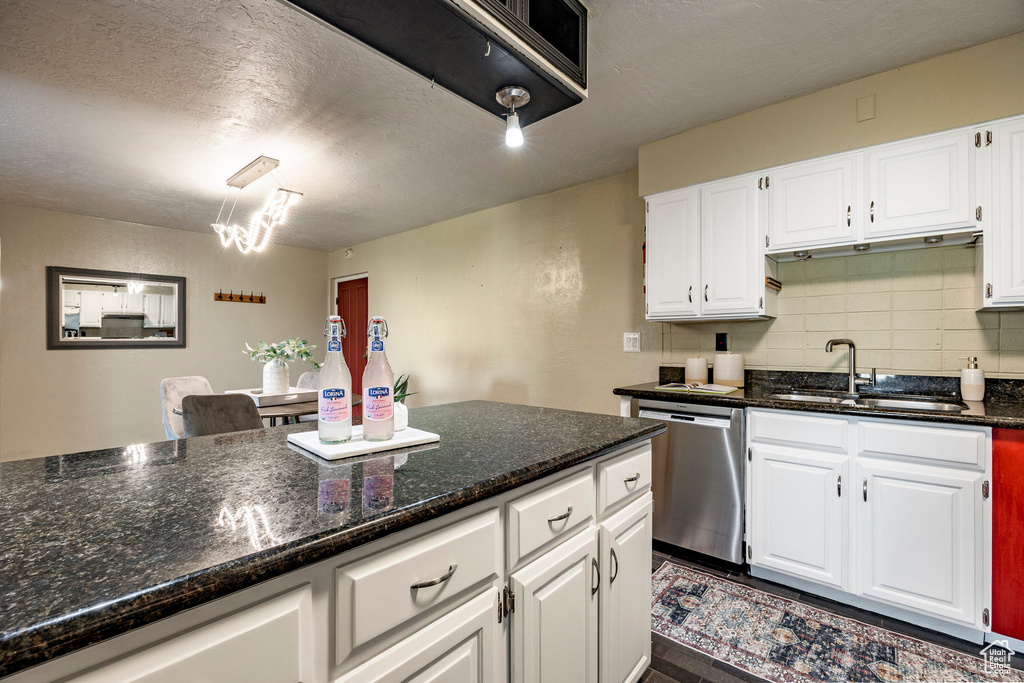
point(972, 381)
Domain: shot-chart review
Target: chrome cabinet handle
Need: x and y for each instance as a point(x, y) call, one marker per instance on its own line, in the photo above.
point(848, 208)
point(630, 480)
point(865, 489)
point(441, 579)
point(564, 515)
point(597, 570)
point(705, 292)
point(615, 559)
point(689, 294)
point(839, 486)
point(872, 212)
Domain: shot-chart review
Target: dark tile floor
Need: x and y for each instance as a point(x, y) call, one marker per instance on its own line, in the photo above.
point(675, 663)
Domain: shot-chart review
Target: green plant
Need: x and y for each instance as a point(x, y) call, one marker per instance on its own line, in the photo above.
point(283, 352)
point(401, 384)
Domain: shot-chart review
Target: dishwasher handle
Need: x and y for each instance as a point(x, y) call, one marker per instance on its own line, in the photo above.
point(688, 419)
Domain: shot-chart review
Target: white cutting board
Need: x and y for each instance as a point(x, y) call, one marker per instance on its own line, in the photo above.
point(409, 436)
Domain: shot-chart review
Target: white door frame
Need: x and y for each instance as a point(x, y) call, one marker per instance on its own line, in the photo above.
point(332, 291)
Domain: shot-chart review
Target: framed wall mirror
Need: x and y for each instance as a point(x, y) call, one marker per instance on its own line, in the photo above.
point(103, 309)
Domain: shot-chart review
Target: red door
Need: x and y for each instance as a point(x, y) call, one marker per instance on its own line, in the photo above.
point(353, 309)
point(1008, 532)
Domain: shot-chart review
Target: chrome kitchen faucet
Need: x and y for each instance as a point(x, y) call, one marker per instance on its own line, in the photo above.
point(855, 381)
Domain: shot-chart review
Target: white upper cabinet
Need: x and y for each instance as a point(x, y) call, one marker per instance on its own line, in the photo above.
point(732, 252)
point(921, 185)
point(1004, 236)
point(673, 246)
point(92, 303)
point(814, 203)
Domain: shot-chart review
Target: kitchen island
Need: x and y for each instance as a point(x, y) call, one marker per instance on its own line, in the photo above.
point(172, 536)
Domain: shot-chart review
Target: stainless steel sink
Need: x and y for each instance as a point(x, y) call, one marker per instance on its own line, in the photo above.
point(915, 403)
point(910, 404)
point(805, 398)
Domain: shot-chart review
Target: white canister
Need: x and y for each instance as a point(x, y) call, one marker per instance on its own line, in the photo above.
point(729, 369)
point(696, 369)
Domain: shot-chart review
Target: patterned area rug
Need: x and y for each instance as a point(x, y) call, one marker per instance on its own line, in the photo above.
point(782, 640)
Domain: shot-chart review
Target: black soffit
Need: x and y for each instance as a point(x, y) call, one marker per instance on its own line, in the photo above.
point(440, 42)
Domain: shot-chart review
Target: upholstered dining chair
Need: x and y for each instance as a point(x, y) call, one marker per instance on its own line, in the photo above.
point(172, 390)
point(308, 380)
point(218, 414)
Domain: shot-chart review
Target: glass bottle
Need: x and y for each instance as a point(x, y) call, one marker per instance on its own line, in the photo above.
point(378, 386)
point(334, 424)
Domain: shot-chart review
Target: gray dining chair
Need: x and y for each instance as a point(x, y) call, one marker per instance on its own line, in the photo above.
point(308, 380)
point(218, 414)
point(172, 391)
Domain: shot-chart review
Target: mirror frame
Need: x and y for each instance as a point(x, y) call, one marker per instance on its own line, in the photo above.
point(54, 340)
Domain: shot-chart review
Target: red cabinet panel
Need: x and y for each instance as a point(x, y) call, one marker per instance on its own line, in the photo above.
point(1008, 532)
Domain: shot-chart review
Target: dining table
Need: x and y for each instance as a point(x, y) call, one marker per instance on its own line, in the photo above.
point(293, 411)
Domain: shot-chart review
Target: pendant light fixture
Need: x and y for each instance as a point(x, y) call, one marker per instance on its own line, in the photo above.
point(274, 211)
point(510, 97)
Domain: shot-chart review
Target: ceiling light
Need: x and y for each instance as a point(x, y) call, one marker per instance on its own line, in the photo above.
point(510, 97)
point(257, 235)
point(262, 224)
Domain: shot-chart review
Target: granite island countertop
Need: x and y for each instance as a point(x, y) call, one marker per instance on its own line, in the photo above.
point(97, 543)
point(1003, 405)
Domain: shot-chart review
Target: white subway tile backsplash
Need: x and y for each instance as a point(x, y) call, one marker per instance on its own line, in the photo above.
point(825, 304)
point(917, 320)
point(917, 301)
point(908, 311)
point(878, 301)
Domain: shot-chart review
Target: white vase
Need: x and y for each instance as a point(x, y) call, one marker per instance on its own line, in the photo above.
point(401, 417)
point(275, 377)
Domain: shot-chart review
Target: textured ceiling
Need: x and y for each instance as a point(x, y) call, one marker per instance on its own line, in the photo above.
point(138, 110)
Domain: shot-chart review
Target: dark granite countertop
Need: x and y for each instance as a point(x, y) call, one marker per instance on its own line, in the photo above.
point(95, 544)
point(1003, 405)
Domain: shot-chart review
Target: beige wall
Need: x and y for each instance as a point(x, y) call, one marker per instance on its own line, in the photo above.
point(961, 88)
point(524, 303)
point(63, 401)
point(909, 312)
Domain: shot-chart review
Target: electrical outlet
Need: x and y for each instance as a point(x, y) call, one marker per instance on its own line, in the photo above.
point(631, 342)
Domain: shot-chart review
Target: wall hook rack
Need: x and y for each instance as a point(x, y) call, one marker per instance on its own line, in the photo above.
point(240, 298)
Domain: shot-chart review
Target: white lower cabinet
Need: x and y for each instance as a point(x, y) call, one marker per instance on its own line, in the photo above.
point(465, 646)
point(554, 624)
point(270, 641)
point(921, 537)
point(624, 633)
point(802, 519)
point(894, 512)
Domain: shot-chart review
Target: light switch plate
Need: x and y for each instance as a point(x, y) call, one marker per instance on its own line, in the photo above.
point(631, 342)
point(866, 108)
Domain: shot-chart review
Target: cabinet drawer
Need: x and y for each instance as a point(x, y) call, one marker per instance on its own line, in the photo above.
point(623, 478)
point(271, 641)
point(929, 442)
point(800, 430)
point(554, 512)
point(393, 586)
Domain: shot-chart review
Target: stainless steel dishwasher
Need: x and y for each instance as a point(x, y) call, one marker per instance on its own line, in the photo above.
point(697, 478)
